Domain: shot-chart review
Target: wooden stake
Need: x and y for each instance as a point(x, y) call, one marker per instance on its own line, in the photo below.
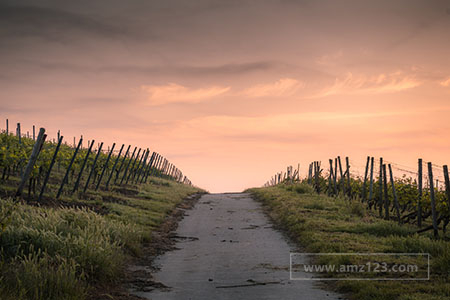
point(121, 165)
point(341, 182)
point(128, 165)
point(66, 176)
point(106, 164)
point(386, 197)
point(132, 166)
point(93, 167)
point(347, 164)
point(113, 168)
point(397, 206)
point(34, 155)
point(47, 176)
point(433, 200)
point(380, 199)
point(371, 182)
point(19, 134)
point(364, 194)
point(419, 201)
point(75, 187)
point(143, 166)
point(141, 162)
point(149, 168)
point(447, 183)
point(330, 178)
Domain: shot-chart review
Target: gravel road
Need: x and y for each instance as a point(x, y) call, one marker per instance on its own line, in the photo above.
point(227, 249)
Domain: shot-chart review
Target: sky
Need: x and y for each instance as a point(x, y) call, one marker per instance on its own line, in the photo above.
point(234, 91)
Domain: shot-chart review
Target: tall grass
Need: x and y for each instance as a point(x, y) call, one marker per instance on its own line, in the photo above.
point(50, 253)
point(328, 225)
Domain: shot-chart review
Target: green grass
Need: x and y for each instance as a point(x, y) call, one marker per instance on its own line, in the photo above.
point(324, 224)
point(60, 252)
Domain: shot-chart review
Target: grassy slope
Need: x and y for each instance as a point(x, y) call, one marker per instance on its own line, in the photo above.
point(323, 224)
point(57, 253)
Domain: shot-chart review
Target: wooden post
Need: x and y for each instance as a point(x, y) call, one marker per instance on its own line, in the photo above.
point(75, 187)
point(146, 168)
point(121, 165)
point(19, 134)
point(298, 172)
point(386, 197)
point(333, 173)
point(309, 173)
point(447, 183)
point(314, 174)
point(34, 155)
point(335, 170)
point(132, 166)
point(143, 166)
point(158, 166)
point(155, 165)
point(170, 170)
point(149, 167)
point(419, 201)
point(7, 127)
point(113, 168)
point(397, 207)
point(128, 165)
point(380, 199)
point(364, 193)
point(163, 166)
point(166, 166)
point(317, 174)
point(329, 180)
point(47, 176)
point(106, 165)
point(93, 167)
point(66, 176)
point(341, 181)
point(34, 133)
point(370, 202)
point(141, 163)
point(347, 164)
point(433, 200)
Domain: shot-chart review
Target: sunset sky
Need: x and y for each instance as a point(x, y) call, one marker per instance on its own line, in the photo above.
point(233, 91)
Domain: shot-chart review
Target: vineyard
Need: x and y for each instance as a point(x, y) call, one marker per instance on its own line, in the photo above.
point(405, 199)
point(54, 169)
point(72, 218)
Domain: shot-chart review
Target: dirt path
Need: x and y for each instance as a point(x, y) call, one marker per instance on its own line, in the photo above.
point(227, 249)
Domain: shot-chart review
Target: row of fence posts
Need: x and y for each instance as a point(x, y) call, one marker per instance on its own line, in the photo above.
point(137, 170)
point(340, 183)
point(291, 175)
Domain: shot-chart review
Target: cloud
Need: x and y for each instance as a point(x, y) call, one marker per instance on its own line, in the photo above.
point(281, 88)
point(362, 84)
point(52, 24)
point(217, 70)
point(175, 93)
point(445, 82)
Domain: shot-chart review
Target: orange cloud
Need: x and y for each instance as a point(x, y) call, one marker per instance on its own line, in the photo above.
point(281, 88)
point(175, 93)
point(361, 84)
point(445, 82)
